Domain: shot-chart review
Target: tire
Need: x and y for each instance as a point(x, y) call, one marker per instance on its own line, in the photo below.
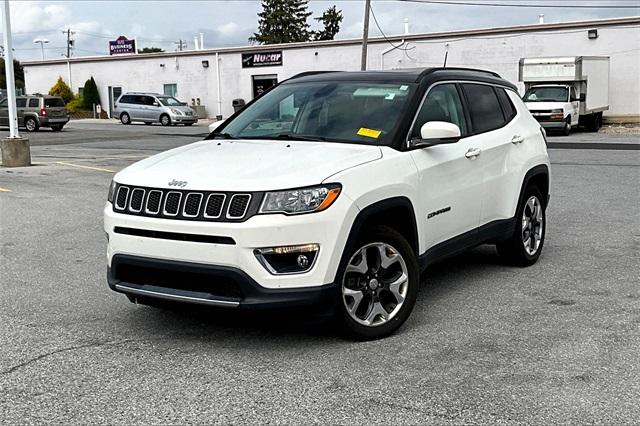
point(165, 120)
point(566, 130)
point(31, 124)
point(56, 128)
point(525, 245)
point(594, 122)
point(125, 119)
point(376, 299)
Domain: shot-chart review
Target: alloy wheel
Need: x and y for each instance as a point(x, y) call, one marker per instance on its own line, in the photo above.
point(30, 125)
point(375, 284)
point(532, 225)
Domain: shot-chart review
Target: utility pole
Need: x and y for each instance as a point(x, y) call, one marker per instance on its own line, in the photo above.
point(182, 44)
point(365, 35)
point(15, 150)
point(70, 43)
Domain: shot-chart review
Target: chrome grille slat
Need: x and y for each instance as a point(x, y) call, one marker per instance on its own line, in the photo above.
point(185, 204)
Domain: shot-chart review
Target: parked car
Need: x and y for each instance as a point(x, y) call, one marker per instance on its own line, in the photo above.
point(334, 189)
point(152, 108)
point(35, 111)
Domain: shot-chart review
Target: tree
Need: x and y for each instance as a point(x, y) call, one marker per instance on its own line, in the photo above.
point(18, 73)
point(150, 50)
point(90, 94)
point(330, 19)
point(282, 21)
point(61, 89)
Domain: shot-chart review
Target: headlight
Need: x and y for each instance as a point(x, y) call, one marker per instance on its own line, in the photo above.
point(302, 200)
point(557, 111)
point(176, 111)
point(112, 190)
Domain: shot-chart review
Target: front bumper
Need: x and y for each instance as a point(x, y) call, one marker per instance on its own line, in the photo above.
point(553, 125)
point(208, 285)
point(181, 119)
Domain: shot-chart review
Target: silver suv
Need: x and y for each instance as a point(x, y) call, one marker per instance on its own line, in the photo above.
point(35, 111)
point(150, 108)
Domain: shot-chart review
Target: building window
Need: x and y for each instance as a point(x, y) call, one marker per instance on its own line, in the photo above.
point(171, 89)
point(80, 90)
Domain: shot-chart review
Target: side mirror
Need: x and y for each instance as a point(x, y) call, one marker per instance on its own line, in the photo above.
point(437, 133)
point(215, 125)
point(156, 104)
point(583, 97)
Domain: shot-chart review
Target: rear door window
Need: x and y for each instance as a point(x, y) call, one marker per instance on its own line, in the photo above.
point(53, 102)
point(34, 103)
point(484, 107)
point(507, 105)
point(21, 102)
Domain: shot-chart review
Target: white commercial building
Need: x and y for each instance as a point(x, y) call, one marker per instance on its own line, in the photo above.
point(217, 76)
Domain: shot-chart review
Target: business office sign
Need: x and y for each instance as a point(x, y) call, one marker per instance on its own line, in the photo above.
point(122, 45)
point(262, 59)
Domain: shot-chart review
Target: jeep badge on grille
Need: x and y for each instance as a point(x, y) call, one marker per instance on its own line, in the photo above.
point(180, 183)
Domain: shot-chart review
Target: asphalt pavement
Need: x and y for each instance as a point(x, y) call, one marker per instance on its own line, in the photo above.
point(486, 343)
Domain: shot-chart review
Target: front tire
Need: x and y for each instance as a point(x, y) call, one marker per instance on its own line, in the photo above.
point(525, 245)
point(566, 130)
point(31, 124)
point(379, 285)
point(125, 119)
point(165, 120)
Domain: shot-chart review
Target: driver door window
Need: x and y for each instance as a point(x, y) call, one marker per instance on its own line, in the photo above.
point(441, 104)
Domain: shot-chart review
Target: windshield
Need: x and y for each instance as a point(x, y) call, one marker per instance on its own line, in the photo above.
point(350, 112)
point(547, 94)
point(169, 101)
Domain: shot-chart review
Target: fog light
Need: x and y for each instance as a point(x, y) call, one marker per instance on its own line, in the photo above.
point(288, 259)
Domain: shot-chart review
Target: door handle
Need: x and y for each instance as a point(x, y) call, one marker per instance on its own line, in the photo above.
point(472, 153)
point(517, 139)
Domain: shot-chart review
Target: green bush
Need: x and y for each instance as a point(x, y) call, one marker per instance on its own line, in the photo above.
point(90, 94)
point(61, 89)
point(76, 104)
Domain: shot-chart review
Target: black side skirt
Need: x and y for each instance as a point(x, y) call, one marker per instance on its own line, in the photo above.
point(493, 232)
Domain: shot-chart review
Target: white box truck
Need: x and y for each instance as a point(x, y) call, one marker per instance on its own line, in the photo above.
point(564, 92)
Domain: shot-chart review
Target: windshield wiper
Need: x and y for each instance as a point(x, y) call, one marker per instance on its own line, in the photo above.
point(296, 137)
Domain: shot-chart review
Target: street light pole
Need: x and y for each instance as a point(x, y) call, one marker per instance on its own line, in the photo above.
point(15, 150)
point(365, 35)
point(42, 42)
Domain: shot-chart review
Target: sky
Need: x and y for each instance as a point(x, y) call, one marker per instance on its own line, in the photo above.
point(230, 22)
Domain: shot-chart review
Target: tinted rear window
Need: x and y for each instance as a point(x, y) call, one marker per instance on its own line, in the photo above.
point(507, 105)
point(53, 102)
point(486, 113)
point(34, 103)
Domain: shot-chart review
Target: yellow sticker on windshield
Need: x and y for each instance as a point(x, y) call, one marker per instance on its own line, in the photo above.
point(369, 133)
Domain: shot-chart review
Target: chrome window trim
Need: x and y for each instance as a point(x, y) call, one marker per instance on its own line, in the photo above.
point(126, 188)
point(164, 205)
point(146, 206)
point(228, 216)
point(224, 199)
point(131, 209)
point(184, 205)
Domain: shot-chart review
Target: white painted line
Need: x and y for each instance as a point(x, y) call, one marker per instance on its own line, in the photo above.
point(99, 169)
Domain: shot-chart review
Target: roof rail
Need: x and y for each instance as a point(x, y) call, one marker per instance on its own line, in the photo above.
point(491, 73)
point(308, 73)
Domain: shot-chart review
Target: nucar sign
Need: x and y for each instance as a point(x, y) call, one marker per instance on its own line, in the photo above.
point(122, 45)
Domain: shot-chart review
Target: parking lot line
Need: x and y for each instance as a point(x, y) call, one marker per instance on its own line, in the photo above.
point(4, 190)
point(85, 167)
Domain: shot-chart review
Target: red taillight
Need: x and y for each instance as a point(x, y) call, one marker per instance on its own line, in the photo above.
point(43, 111)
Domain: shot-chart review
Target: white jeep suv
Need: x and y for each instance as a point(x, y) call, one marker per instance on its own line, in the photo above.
point(337, 190)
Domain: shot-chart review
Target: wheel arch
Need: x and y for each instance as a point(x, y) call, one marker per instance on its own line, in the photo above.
point(538, 176)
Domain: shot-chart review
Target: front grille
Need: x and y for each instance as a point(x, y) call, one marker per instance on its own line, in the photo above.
point(186, 205)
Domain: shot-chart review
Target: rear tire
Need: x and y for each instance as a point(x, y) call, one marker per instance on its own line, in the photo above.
point(165, 120)
point(379, 285)
point(125, 119)
point(525, 245)
point(56, 128)
point(594, 122)
point(31, 124)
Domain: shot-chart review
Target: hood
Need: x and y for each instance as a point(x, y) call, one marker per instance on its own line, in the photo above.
point(183, 108)
point(247, 165)
point(541, 106)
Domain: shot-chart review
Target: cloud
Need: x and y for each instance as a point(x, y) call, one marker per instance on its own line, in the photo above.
point(228, 29)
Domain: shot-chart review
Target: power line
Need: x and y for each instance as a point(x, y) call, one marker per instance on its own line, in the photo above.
point(554, 6)
point(399, 46)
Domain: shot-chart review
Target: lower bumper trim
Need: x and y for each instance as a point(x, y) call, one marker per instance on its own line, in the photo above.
point(176, 297)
